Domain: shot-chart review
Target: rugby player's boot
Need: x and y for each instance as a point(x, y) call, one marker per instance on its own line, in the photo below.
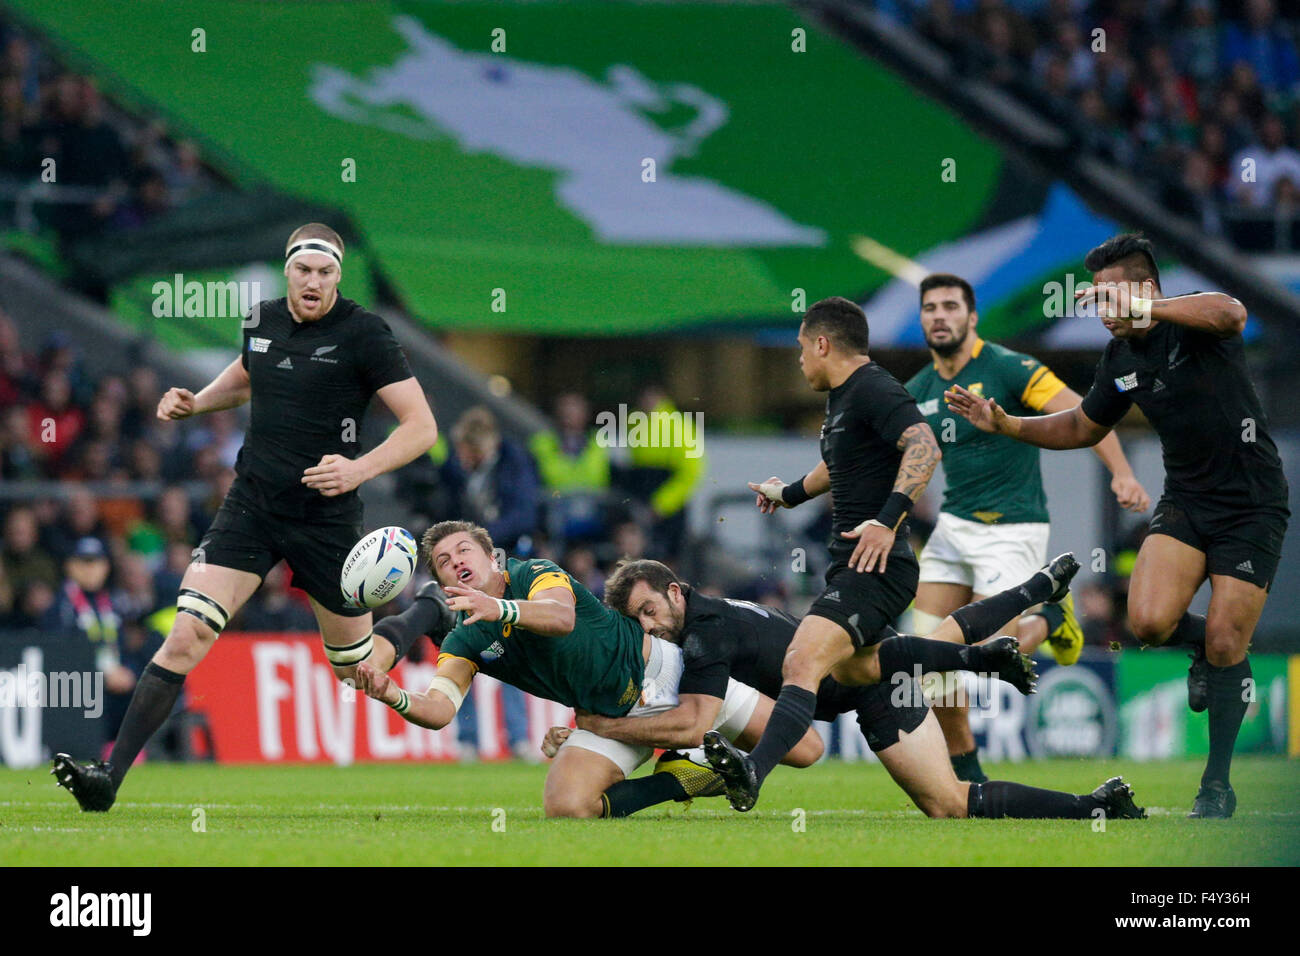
point(1116, 797)
point(1214, 801)
point(432, 591)
point(1061, 569)
point(1002, 655)
point(697, 778)
point(735, 768)
point(1198, 682)
point(91, 783)
point(1066, 642)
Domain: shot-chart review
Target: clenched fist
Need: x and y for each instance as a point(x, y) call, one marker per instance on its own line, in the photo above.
point(176, 404)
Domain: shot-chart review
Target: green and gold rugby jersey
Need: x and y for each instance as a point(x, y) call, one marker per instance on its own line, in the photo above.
point(598, 666)
point(989, 478)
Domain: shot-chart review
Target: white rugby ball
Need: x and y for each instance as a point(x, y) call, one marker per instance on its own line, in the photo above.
point(379, 567)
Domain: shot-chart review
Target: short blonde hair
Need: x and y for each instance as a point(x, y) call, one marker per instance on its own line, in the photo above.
point(445, 529)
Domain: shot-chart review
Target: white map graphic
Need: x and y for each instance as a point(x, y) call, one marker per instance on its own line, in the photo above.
point(594, 134)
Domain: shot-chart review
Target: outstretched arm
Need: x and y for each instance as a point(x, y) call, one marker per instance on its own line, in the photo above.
point(772, 493)
point(436, 707)
point(1067, 429)
point(230, 389)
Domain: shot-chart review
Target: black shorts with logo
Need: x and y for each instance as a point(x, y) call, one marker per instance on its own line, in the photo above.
point(250, 538)
point(1243, 543)
point(865, 603)
point(887, 710)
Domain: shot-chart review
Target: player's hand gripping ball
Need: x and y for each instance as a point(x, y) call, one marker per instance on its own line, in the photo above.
point(379, 567)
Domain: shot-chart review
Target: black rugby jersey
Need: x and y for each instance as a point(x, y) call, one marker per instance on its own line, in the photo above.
point(725, 638)
point(1194, 389)
point(311, 383)
point(866, 415)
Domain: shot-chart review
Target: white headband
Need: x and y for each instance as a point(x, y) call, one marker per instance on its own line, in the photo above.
point(313, 245)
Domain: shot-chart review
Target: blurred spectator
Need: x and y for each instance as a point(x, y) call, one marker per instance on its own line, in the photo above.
point(668, 471)
point(84, 606)
point(24, 560)
point(1265, 45)
point(14, 372)
point(580, 562)
point(493, 481)
point(78, 518)
point(1260, 167)
point(53, 422)
point(136, 594)
point(575, 469)
point(275, 608)
point(31, 604)
point(1196, 47)
point(1100, 618)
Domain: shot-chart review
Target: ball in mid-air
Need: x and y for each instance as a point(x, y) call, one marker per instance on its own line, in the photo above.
point(379, 566)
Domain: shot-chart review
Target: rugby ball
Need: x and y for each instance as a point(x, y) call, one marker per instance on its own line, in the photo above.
point(379, 567)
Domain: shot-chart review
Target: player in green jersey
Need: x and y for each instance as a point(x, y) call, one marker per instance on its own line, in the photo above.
point(531, 625)
point(993, 523)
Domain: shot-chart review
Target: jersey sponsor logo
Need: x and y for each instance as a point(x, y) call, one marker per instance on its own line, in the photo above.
point(929, 408)
point(258, 345)
point(1126, 383)
point(493, 652)
point(1157, 385)
point(1247, 567)
point(286, 363)
point(1174, 360)
point(976, 388)
point(831, 596)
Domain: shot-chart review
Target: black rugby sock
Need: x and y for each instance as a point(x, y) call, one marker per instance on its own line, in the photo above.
point(985, 618)
point(1227, 708)
point(403, 630)
point(628, 796)
point(1001, 798)
point(901, 655)
point(967, 767)
point(155, 696)
point(1053, 614)
point(792, 715)
point(1190, 632)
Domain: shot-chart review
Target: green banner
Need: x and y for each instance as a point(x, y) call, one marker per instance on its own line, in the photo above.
point(1156, 723)
point(560, 167)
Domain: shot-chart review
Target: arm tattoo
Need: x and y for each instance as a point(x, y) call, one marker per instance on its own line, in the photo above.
point(920, 455)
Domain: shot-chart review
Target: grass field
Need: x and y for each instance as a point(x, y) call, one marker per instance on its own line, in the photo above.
point(444, 815)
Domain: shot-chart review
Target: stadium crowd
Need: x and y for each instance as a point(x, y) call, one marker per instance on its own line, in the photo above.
point(115, 172)
point(1199, 99)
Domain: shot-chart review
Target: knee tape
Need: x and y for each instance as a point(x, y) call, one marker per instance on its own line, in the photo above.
point(210, 612)
point(348, 654)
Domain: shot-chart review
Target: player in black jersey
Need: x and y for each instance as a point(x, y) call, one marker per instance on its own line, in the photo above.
point(1224, 511)
point(310, 364)
point(724, 641)
point(877, 456)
